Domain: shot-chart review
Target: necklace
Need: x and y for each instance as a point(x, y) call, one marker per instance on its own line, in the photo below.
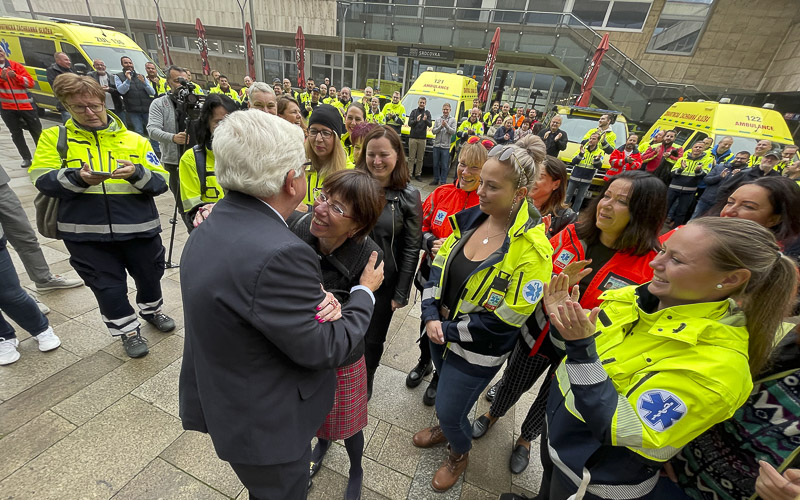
point(485, 241)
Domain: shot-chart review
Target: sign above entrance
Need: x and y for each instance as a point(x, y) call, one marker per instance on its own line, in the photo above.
point(430, 54)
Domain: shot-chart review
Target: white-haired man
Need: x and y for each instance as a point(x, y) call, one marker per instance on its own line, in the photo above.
point(261, 96)
point(263, 389)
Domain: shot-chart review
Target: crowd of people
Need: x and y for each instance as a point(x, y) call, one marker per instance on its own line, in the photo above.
point(653, 316)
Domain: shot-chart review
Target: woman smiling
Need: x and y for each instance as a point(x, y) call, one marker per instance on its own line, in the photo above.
point(323, 149)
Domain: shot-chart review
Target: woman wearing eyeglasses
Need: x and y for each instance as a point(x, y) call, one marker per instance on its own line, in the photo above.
point(107, 216)
point(397, 233)
point(344, 213)
point(324, 150)
point(445, 201)
point(486, 280)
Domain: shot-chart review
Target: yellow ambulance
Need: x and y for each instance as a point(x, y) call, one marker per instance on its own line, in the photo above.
point(437, 89)
point(694, 121)
point(34, 43)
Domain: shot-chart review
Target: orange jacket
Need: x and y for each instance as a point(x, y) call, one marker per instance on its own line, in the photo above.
point(13, 91)
point(443, 202)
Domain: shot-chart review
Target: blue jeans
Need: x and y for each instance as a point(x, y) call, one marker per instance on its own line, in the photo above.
point(456, 394)
point(701, 208)
point(15, 302)
point(138, 122)
point(678, 203)
point(578, 189)
point(441, 164)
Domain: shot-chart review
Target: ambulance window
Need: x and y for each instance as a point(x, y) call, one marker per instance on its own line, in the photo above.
point(697, 138)
point(683, 135)
point(38, 52)
point(75, 56)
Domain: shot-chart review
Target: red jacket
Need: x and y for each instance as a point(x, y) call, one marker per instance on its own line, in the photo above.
point(445, 201)
point(621, 270)
point(618, 165)
point(13, 91)
point(652, 157)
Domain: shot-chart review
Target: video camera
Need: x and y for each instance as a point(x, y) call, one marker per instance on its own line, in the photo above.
point(188, 102)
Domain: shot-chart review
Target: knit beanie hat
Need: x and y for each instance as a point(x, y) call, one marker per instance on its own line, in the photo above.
point(328, 116)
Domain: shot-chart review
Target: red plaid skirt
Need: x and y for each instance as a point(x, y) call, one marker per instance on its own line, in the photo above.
point(349, 412)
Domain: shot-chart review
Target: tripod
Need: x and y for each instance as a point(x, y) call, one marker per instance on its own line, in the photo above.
point(174, 219)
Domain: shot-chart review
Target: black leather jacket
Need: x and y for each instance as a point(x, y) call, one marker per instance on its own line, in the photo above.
point(399, 234)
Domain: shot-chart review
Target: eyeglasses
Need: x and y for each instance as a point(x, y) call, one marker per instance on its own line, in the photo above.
point(84, 108)
point(326, 134)
point(321, 197)
point(487, 143)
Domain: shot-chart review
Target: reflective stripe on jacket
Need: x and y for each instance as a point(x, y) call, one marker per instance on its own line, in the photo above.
point(192, 193)
point(230, 93)
point(498, 296)
point(649, 381)
point(608, 139)
point(466, 125)
point(13, 91)
point(586, 163)
point(684, 177)
point(114, 210)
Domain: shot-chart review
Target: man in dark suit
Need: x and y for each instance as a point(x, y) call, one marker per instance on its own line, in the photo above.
point(258, 369)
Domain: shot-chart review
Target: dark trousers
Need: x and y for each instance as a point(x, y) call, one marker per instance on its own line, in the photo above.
point(378, 326)
point(14, 121)
point(175, 188)
point(16, 303)
point(103, 266)
point(456, 394)
point(287, 481)
point(682, 201)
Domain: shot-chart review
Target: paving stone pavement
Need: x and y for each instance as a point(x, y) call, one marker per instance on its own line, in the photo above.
point(86, 421)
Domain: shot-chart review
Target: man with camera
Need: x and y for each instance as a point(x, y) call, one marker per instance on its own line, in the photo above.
point(137, 94)
point(167, 125)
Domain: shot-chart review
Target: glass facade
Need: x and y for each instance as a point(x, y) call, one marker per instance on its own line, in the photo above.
point(679, 26)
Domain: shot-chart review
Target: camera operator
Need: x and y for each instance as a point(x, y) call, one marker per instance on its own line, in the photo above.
point(169, 129)
point(137, 94)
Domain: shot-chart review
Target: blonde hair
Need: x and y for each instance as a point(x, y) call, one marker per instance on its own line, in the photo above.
point(529, 153)
point(473, 155)
point(768, 295)
point(336, 161)
point(69, 84)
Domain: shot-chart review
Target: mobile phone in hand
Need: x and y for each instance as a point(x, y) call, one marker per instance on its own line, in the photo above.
point(101, 173)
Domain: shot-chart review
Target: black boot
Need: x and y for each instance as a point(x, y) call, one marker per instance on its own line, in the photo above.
point(418, 372)
point(370, 381)
point(429, 398)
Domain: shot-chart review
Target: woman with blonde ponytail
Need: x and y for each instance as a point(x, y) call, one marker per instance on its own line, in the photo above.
point(485, 281)
point(656, 365)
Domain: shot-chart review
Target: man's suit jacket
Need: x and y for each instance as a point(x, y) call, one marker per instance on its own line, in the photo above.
point(258, 370)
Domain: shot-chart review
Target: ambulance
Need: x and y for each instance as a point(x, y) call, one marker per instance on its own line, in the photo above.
point(34, 43)
point(437, 89)
point(694, 121)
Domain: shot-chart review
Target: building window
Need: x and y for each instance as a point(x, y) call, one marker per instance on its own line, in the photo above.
point(176, 42)
point(232, 49)
point(150, 41)
point(612, 14)
point(679, 26)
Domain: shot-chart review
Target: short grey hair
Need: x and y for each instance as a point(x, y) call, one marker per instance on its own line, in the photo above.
point(259, 87)
point(255, 150)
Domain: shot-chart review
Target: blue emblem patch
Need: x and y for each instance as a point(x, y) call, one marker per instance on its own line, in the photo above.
point(660, 409)
point(152, 158)
point(441, 215)
point(6, 47)
point(533, 291)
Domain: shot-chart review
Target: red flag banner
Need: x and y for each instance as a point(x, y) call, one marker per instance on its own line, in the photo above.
point(202, 45)
point(251, 60)
point(488, 69)
point(591, 74)
point(300, 56)
point(163, 44)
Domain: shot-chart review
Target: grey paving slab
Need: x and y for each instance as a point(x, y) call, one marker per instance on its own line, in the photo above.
point(162, 389)
point(32, 367)
point(102, 393)
point(377, 477)
point(81, 339)
point(194, 454)
point(48, 392)
point(488, 459)
point(72, 302)
point(395, 404)
point(161, 480)
point(99, 458)
point(471, 492)
point(30, 440)
point(398, 451)
point(376, 442)
point(402, 353)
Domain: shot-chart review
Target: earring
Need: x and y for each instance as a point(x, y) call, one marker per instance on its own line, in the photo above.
point(719, 285)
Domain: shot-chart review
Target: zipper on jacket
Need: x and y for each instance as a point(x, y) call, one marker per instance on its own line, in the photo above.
point(105, 193)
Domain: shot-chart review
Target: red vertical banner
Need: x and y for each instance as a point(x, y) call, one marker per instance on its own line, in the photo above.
point(161, 32)
point(251, 60)
point(202, 45)
point(300, 57)
point(488, 69)
point(591, 74)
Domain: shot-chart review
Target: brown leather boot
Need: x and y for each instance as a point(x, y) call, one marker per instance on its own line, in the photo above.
point(449, 472)
point(429, 437)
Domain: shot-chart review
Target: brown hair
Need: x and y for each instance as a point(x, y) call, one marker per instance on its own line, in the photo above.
point(284, 101)
point(557, 171)
point(69, 84)
point(364, 195)
point(768, 295)
point(400, 177)
point(473, 155)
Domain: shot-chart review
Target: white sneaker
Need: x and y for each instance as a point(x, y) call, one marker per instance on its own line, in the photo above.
point(48, 340)
point(42, 307)
point(8, 350)
point(57, 282)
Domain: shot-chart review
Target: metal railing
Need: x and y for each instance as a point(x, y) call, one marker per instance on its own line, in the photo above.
point(560, 36)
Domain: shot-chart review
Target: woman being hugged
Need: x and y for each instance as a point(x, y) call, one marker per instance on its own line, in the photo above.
point(344, 213)
point(657, 364)
point(484, 283)
point(397, 232)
